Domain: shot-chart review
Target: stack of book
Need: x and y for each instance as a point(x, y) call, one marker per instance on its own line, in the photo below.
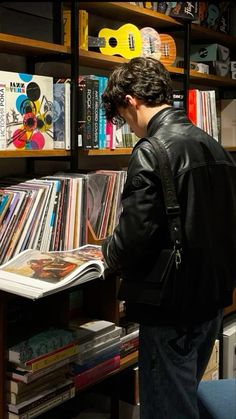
point(37, 372)
point(129, 338)
point(99, 350)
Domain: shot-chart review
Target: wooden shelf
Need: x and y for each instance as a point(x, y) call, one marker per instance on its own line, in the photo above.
point(6, 154)
point(25, 46)
point(230, 148)
point(125, 11)
point(231, 309)
point(204, 35)
point(108, 62)
point(211, 80)
point(107, 152)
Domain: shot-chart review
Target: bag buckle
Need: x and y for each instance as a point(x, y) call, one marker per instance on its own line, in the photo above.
point(177, 258)
point(174, 210)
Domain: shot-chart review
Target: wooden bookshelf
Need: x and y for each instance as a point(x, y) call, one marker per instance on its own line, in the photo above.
point(231, 309)
point(26, 46)
point(211, 80)
point(102, 61)
point(121, 12)
point(137, 15)
point(203, 35)
point(5, 154)
point(107, 152)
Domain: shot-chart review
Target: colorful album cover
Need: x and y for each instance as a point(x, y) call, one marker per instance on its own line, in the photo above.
point(28, 111)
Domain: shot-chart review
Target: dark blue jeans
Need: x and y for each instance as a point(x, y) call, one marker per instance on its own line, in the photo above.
point(171, 364)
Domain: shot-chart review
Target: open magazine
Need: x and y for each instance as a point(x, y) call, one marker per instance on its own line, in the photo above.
point(34, 274)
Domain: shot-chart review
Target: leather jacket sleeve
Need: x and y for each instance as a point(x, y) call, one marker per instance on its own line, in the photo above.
point(139, 232)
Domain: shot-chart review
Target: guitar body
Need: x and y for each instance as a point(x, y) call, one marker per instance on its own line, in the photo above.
point(125, 41)
point(151, 43)
point(168, 49)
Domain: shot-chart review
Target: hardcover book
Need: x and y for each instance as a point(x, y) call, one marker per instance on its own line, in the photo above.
point(40, 344)
point(34, 274)
point(61, 115)
point(28, 111)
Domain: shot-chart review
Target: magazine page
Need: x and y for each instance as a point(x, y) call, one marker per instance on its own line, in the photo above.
point(35, 274)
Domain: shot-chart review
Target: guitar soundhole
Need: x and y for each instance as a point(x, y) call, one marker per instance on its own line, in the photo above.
point(113, 42)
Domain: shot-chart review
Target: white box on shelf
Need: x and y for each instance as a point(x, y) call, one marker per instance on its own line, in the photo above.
point(229, 350)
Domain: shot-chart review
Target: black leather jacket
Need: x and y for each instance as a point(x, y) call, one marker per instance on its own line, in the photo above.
point(205, 180)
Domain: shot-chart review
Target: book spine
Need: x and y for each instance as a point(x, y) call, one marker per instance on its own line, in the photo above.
point(66, 27)
point(87, 141)
point(103, 117)
point(192, 106)
point(29, 377)
point(59, 116)
point(90, 344)
point(83, 30)
point(95, 113)
point(94, 361)
point(46, 403)
point(92, 375)
point(67, 115)
point(3, 137)
point(53, 358)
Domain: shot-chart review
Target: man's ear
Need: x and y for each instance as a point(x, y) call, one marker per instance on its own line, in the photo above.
point(131, 100)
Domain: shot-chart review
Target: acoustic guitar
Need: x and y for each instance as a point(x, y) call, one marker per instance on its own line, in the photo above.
point(168, 49)
point(151, 43)
point(125, 41)
point(160, 46)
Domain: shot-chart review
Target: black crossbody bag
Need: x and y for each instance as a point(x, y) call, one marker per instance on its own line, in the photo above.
point(163, 286)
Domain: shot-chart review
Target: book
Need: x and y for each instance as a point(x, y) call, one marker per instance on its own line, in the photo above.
point(43, 401)
point(94, 374)
point(93, 346)
point(66, 27)
point(107, 353)
point(129, 343)
point(18, 373)
point(35, 388)
point(20, 388)
point(61, 115)
point(34, 274)
point(85, 329)
point(3, 143)
point(29, 110)
point(51, 358)
point(83, 29)
point(99, 350)
point(40, 344)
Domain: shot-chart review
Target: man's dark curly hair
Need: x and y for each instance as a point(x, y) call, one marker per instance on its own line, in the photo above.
point(144, 78)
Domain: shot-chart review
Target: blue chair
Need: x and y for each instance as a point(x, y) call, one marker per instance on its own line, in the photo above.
point(217, 399)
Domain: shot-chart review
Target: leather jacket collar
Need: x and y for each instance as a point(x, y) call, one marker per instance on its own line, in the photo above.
point(163, 117)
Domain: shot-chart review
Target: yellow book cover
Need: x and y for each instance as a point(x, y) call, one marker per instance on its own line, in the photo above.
point(66, 27)
point(58, 355)
point(83, 30)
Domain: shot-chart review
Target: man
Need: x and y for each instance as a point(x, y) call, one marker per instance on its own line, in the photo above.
point(175, 345)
